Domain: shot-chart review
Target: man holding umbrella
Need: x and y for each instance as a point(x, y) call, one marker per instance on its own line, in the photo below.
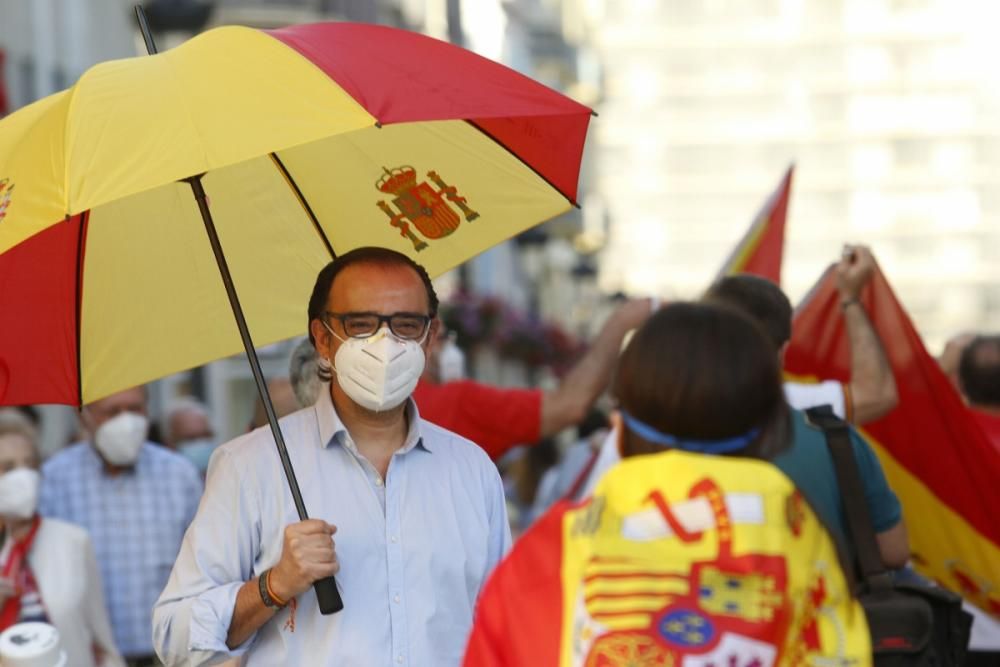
point(419, 514)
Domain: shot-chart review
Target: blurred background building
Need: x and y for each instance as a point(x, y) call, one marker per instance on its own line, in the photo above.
point(885, 106)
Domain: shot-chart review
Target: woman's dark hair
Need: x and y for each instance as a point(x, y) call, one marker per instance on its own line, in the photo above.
point(701, 371)
point(364, 255)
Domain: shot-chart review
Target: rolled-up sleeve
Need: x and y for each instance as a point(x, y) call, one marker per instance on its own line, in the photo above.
point(192, 617)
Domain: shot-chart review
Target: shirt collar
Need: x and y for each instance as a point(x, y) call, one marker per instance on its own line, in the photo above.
point(331, 427)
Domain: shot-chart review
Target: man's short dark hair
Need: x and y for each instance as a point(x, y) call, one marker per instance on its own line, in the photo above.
point(363, 255)
point(979, 371)
point(760, 299)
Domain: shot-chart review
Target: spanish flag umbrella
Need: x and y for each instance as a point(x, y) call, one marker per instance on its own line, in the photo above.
point(257, 155)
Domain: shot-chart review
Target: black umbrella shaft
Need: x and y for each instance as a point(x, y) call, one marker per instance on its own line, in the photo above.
point(326, 589)
point(147, 35)
point(241, 323)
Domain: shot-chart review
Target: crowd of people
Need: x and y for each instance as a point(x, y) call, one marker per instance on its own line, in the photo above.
point(189, 552)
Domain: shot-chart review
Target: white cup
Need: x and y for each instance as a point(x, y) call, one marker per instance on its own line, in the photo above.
point(31, 645)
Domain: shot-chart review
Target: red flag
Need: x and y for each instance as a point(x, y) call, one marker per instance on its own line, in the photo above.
point(760, 250)
point(938, 461)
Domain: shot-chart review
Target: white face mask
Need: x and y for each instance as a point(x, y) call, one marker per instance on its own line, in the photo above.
point(120, 438)
point(378, 372)
point(19, 493)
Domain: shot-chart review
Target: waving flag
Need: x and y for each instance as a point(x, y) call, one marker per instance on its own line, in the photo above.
point(678, 559)
point(759, 251)
point(937, 460)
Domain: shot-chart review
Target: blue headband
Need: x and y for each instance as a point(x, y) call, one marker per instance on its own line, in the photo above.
point(647, 432)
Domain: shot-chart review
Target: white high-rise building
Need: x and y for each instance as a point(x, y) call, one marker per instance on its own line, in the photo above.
point(889, 108)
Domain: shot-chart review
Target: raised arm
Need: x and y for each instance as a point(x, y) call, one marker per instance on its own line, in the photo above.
point(872, 388)
point(568, 403)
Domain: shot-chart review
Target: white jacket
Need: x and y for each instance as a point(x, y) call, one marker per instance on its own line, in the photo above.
point(62, 561)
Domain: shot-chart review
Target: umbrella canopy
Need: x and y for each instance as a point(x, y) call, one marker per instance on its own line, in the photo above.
point(313, 140)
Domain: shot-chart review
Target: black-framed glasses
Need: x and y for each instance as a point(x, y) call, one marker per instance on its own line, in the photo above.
point(408, 326)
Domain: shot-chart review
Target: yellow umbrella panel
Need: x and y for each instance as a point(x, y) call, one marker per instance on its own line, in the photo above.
point(146, 254)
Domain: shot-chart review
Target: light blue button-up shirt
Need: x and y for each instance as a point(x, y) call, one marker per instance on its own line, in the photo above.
point(414, 548)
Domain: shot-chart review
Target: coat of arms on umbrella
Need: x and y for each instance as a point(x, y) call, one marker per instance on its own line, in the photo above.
point(6, 190)
point(419, 203)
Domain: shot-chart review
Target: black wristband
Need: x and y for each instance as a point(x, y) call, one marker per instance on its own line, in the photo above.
point(265, 595)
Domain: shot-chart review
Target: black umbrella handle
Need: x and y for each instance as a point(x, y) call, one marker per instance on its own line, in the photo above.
point(328, 596)
point(326, 589)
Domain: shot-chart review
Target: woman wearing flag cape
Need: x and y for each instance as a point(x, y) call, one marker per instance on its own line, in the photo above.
point(690, 551)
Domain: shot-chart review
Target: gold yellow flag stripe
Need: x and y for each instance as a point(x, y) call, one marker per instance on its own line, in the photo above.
point(947, 548)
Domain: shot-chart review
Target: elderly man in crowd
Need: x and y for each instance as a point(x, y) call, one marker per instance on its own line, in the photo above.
point(979, 378)
point(136, 499)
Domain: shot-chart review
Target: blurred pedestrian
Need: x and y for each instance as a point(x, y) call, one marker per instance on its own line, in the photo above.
point(526, 478)
point(558, 482)
point(688, 552)
point(135, 499)
point(979, 377)
point(871, 391)
point(187, 429)
point(418, 511)
point(305, 374)
point(48, 572)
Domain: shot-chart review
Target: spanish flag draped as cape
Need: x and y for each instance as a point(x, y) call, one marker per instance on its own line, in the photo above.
point(760, 250)
point(939, 463)
point(677, 559)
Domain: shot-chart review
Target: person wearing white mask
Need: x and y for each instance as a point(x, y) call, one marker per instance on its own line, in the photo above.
point(135, 498)
point(48, 572)
point(419, 512)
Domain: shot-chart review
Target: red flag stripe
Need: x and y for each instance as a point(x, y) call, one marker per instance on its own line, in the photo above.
point(524, 116)
point(761, 249)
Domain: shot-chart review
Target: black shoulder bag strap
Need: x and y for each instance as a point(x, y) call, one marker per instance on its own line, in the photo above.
point(859, 520)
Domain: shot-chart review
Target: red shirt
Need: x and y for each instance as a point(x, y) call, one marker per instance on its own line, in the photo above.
point(990, 424)
point(495, 419)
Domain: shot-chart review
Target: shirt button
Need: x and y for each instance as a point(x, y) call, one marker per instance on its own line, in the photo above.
point(378, 481)
point(396, 599)
point(393, 539)
point(399, 658)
